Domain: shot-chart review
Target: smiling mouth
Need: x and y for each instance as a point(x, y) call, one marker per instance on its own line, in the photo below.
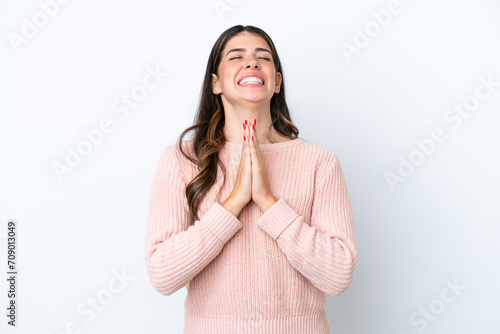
point(251, 81)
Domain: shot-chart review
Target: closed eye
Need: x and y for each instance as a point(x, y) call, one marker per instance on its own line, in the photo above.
point(260, 58)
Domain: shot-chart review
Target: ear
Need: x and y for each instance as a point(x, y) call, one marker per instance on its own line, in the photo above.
point(278, 82)
point(215, 84)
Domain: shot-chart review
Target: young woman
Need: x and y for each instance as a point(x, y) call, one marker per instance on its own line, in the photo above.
point(255, 221)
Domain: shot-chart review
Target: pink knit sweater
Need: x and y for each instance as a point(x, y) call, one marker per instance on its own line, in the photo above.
point(258, 272)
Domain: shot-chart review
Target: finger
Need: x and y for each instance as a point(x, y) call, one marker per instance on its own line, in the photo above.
point(244, 149)
point(246, 145)
point(253, 133)
point(247, 132)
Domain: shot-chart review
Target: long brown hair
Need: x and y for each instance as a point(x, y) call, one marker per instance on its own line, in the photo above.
point(209, 121)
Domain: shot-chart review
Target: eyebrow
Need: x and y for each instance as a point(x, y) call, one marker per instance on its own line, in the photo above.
point(243, 50)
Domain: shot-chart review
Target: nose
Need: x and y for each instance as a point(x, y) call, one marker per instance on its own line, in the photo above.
point(253, 63)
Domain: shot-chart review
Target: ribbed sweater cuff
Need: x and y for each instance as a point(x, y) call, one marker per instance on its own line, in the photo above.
point(221, 222)
point(277, 218)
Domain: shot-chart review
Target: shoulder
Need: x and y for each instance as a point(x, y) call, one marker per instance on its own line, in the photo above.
point(319, 153)
point(171, 156)
point(172, 151)
point(324, 159)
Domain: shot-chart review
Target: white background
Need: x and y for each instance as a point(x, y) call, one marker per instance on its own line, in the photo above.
point(439, 225)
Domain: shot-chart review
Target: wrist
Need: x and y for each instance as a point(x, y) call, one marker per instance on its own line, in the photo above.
point(232, 205)
point(268, 204)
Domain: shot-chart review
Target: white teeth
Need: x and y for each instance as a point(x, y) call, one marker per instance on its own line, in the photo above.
point(250, 80)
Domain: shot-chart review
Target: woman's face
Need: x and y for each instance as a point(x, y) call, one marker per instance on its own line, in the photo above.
point(246, 54)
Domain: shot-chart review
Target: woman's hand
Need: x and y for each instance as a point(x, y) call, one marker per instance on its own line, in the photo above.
point(260, 191)
point(251, 182)
point(242, 190)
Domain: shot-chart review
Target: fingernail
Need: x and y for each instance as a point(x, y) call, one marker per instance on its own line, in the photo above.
point(245, 121)
point(252, 138)
point(255, 121)
point(244, 138)
point(253, 126)
point(244, 128)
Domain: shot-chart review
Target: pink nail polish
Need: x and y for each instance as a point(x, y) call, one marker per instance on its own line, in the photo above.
point(253, 126)
point(244, 138)
point(252, 138)
point(244, 128)
point(255, 121)
point(245, 121)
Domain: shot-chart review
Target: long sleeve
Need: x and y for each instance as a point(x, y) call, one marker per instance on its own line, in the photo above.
point(323, 251)
point(174, 251)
